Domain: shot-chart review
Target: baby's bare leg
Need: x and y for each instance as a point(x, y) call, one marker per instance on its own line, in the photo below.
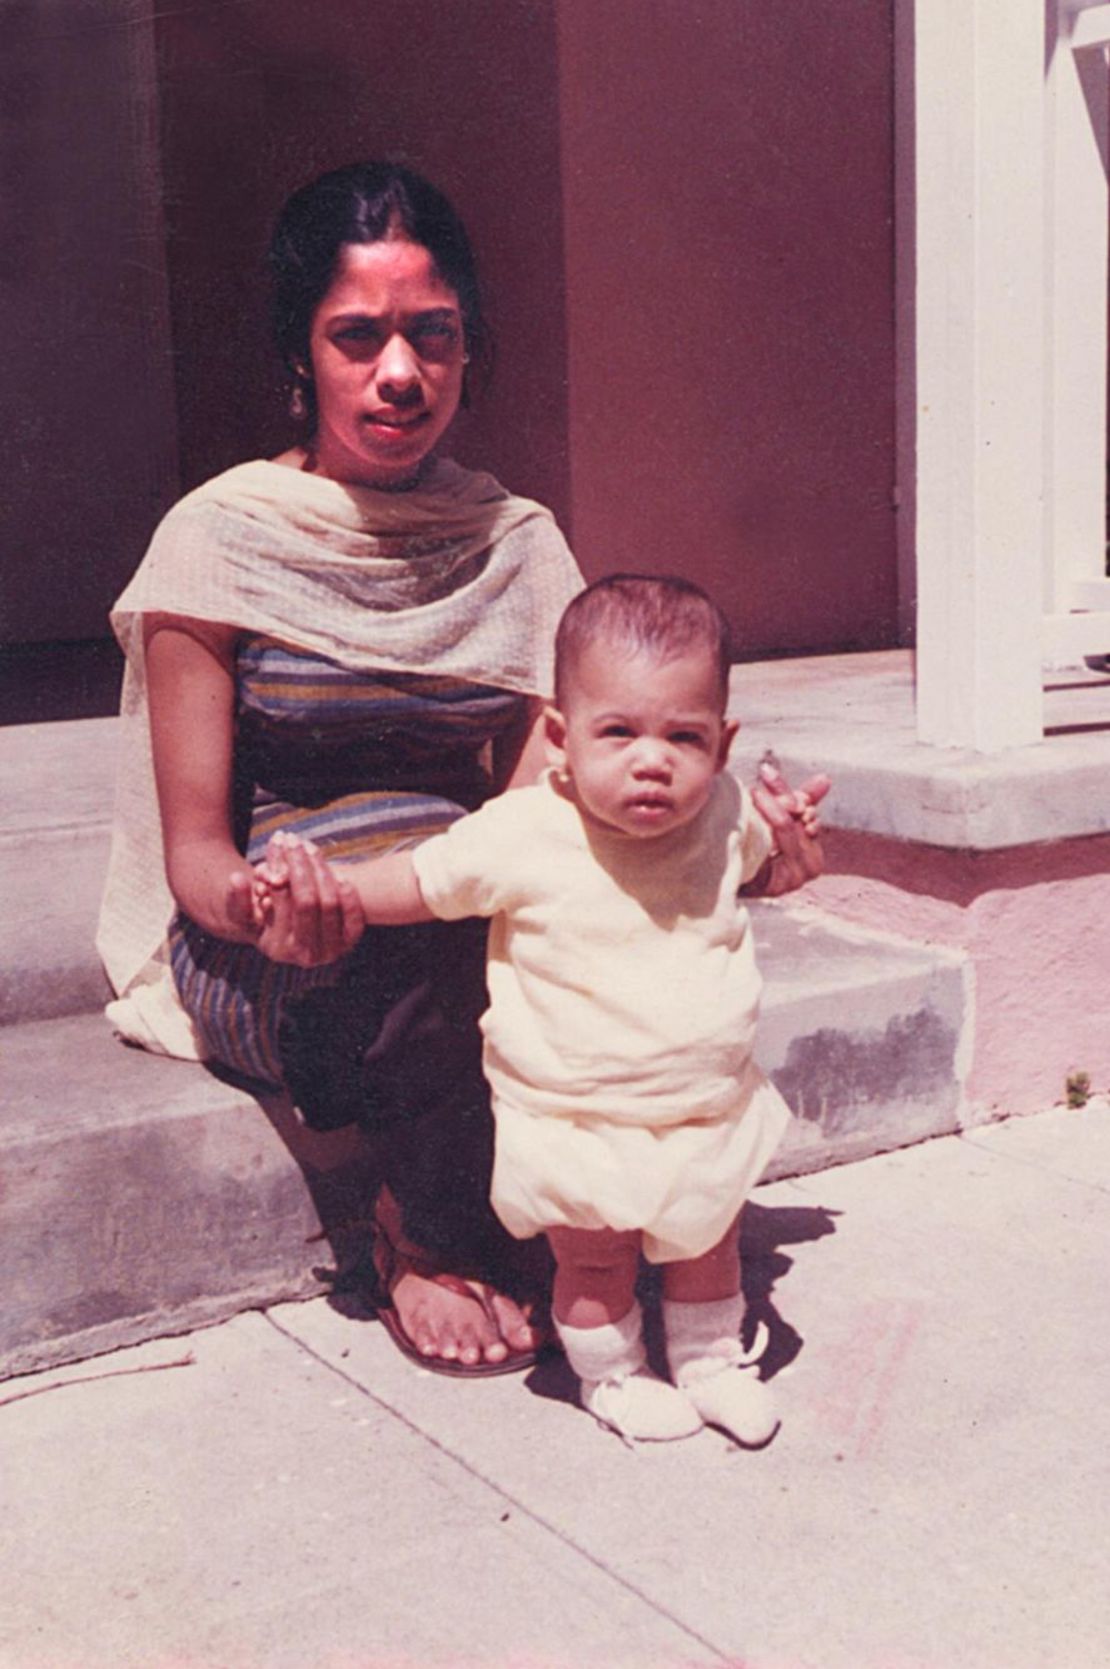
point(600, 1326)
point(716, 1274)
point(595, 1274)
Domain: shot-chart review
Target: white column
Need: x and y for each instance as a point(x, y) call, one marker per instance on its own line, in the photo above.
point(979, 97)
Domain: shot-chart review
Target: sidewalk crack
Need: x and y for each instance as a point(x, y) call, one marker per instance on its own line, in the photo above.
point(718, 1653)
point(968, 1138)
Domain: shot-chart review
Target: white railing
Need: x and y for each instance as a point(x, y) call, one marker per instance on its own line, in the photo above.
point(1076, 218)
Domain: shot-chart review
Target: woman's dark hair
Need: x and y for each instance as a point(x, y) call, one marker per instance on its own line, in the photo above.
point(365, 202)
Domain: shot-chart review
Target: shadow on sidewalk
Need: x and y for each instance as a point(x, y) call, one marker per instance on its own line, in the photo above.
point(341, 1180)
point(764, 1231)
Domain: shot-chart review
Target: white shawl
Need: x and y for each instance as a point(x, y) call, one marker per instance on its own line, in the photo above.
point(457, 578)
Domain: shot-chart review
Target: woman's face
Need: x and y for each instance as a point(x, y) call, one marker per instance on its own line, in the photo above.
point(387, 359)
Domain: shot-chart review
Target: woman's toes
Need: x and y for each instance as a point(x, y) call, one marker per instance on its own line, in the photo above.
point(478, 1338)
point(470, 1349)
point(458, 1328)
point(424, 1341)
point(513, 1325)
point(453, 1327)
point(433, 1341)
point(416, 1302)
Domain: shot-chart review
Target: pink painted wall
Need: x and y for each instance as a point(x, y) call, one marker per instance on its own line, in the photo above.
point(727, 176)
point(1034, 922)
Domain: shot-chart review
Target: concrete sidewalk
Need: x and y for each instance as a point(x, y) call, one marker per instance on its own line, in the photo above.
point(297, 1496)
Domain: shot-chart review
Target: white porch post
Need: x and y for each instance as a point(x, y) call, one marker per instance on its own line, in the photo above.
point(979, 98)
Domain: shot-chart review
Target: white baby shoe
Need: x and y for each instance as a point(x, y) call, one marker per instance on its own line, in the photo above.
point(640, 1406)
point(716, 1374)
point(619, 1389)
point(734, 1398)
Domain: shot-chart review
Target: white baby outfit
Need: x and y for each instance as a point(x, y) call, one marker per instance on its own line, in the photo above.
point(623, 1001)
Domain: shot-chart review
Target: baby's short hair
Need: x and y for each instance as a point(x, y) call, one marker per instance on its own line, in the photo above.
point(662, 614)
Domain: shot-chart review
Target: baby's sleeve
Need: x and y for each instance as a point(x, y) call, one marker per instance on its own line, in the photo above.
point(756, 842)
point(463, 871)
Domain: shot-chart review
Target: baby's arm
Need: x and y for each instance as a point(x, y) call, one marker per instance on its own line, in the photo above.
point(387, 888)
point(792, 818)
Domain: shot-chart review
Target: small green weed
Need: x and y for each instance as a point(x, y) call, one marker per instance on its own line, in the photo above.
point(1078, 1088)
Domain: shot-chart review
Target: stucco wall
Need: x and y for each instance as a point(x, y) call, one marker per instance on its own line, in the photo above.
point(1034, 922)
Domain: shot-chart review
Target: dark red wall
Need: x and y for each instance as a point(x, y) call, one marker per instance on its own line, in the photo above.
point(86, 395)
point(728, 207)
point(259, 96)
point(683, 212)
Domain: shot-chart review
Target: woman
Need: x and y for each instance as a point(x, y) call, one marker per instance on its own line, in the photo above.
point(350, 642)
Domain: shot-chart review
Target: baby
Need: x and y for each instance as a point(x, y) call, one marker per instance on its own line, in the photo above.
point(623, 993)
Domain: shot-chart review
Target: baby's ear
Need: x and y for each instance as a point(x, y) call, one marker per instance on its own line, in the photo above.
point(728, 736)
point(555, 737)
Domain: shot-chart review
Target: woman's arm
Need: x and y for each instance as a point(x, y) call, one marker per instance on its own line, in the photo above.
point(191, 682)
point(520, 755)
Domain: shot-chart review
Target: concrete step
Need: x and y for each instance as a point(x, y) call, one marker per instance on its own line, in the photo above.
point(55, 818)
point(147, 1196)
point(866, 1036)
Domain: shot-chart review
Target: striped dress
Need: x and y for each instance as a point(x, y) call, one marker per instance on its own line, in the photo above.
point(359, 763)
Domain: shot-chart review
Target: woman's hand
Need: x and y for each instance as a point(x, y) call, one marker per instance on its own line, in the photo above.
point(792, 817)
point(296, 907)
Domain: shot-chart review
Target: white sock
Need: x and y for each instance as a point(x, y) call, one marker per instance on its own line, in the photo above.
point(700, 1337)
point(714, 1371)
point(608, 1352)
point(617, 1387)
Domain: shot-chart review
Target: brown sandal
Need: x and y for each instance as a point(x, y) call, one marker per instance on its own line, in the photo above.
point(391, 1261)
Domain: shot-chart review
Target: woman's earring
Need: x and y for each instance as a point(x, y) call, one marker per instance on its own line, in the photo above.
point(298, 399)
point(466, 359)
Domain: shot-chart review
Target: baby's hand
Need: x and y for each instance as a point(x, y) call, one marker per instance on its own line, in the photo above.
point(273, 871)
point(249, 897)
point(308, 914)
point(265, 879)
point(792, 817)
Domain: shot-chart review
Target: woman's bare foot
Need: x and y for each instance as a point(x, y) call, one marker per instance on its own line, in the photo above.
point(444, 1316)
point(470, 1323)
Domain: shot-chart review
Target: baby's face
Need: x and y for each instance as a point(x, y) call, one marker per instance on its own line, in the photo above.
point(641, 737)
